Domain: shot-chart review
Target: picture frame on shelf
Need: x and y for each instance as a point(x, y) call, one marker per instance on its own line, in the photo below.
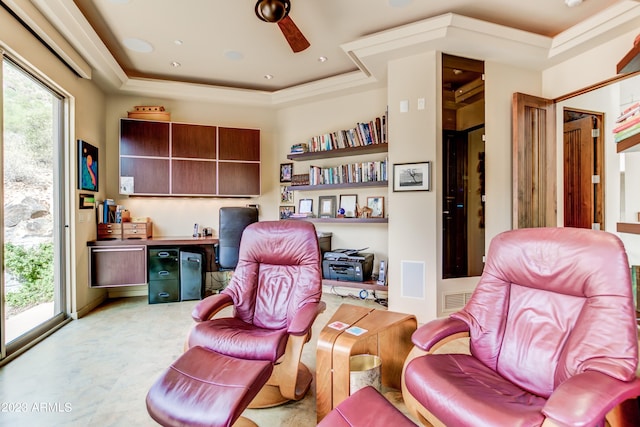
point(87, 166)
point(348, 205)
point(376, 204)
point(286, 211)
point(286, 195)
point(305, 206)
point(286, 172)
point(327, 206)
point(412, 176)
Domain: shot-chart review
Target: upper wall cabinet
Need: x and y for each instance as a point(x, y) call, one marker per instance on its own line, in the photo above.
point(179, 159)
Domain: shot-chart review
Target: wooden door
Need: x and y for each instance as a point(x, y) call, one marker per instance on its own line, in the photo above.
point(583, 195)
point(534, 162)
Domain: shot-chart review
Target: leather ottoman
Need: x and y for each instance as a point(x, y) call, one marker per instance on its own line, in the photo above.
point(365, 408)
point(205, 388)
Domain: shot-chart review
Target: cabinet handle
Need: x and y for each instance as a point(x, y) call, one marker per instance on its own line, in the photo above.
point(163, 294)
point(163, 273)
point(163, 254)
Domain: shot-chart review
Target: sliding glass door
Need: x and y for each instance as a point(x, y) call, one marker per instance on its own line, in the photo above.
point(32, 238)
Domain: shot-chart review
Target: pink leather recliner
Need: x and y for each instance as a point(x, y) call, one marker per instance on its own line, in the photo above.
point(553, 337)
point(275, 291)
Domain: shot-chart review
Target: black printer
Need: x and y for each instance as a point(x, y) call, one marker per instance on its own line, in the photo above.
point(347, 265)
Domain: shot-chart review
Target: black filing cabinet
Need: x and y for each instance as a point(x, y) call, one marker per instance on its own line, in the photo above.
point(191, 274)
point(164, 275)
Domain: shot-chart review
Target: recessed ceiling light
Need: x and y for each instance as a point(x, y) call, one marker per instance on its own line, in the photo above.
point(138, 45)
point(233, 55)
point(399, 3)
point(268, 76)
point(323, 59)
point(119, 1)
point(178, 42)
point(175, 64)
point(572, 3)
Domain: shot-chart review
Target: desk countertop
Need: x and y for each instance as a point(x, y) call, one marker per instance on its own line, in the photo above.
point(156, 241)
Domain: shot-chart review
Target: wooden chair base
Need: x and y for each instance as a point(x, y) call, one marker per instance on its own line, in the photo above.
point(244, 422)
point(270, 395)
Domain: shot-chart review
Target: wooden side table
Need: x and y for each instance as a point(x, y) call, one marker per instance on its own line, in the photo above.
point(388, 336)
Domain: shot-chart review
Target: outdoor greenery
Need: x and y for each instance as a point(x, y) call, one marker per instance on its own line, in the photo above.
point(34, 267)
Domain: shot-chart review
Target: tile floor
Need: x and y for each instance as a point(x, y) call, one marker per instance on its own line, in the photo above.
point(96, 371)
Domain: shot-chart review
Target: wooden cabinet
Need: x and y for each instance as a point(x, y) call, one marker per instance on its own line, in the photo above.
point(117, 266)
point(180, 159)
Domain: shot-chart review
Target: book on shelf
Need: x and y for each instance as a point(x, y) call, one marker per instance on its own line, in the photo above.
point(622, 135)
point(362, 134)
point(350, 173)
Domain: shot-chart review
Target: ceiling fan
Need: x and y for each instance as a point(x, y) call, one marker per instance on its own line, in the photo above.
point(277, 11)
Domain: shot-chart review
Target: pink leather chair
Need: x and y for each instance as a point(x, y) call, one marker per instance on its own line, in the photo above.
point(275, 291)
point(553, 337)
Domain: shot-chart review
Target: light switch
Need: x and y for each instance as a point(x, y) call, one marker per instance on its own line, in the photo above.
point(404, 106)
point(421, 103)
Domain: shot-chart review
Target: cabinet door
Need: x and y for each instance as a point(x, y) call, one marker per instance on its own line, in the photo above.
point(193, 141)
point(150, 176)
point(117, 266)
point(239, 144)
point(238, 162)
point(193, 177)
point(238, 179)
point(144, 138)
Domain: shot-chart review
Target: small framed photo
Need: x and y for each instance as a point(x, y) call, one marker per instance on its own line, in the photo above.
point(348, 205)
point(286, 195)
point(286, 172)
point(327, 206)
point(376, 204)
point(305, 206)
point(87, 201)
point(412, 177)
point(286, 211)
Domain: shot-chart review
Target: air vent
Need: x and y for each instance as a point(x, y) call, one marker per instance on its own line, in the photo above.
point(453, 302)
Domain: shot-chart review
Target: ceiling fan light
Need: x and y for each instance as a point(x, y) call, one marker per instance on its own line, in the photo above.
point(272, 10)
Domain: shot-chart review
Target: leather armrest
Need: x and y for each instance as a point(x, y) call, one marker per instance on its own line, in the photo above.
point(304, 318)
point(208, 307)
point(430, 334)
point(586, 398)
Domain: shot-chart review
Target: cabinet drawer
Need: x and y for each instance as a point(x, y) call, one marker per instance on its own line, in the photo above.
point(164, 291)
point(109, 230)
point(164, 264)
point(137, 230)
point(117, 266)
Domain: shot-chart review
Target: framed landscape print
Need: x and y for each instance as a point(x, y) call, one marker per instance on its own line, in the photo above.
point(412, 176)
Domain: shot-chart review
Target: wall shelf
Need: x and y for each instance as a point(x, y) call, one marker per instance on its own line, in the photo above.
point(369, 284)
point(628, 227)
point(333, 186)
point(629, 144)
point(339, 152)
point(345, 220)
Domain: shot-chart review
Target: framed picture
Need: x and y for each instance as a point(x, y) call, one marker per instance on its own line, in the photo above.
point(376, 204)
point(286, 195)
point(305, 206)
point(286, 172)
point(87, 166)
point(87, 201)
point(327, 206)
point(348, 204)
point(412, 177)
point(286, 211)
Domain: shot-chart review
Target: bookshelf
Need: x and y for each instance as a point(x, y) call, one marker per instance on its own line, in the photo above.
point(629, 144)
point(339, 152)
point(345, 220)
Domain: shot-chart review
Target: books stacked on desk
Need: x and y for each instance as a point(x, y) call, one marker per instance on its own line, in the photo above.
point(109, 212)
point(627, 123)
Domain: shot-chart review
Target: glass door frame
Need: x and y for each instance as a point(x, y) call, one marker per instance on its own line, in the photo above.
point(61, 206)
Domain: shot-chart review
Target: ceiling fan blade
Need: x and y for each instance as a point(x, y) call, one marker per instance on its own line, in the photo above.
point(292, 33)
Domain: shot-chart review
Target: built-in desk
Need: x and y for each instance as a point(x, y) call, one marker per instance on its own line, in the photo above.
point(123, 262)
